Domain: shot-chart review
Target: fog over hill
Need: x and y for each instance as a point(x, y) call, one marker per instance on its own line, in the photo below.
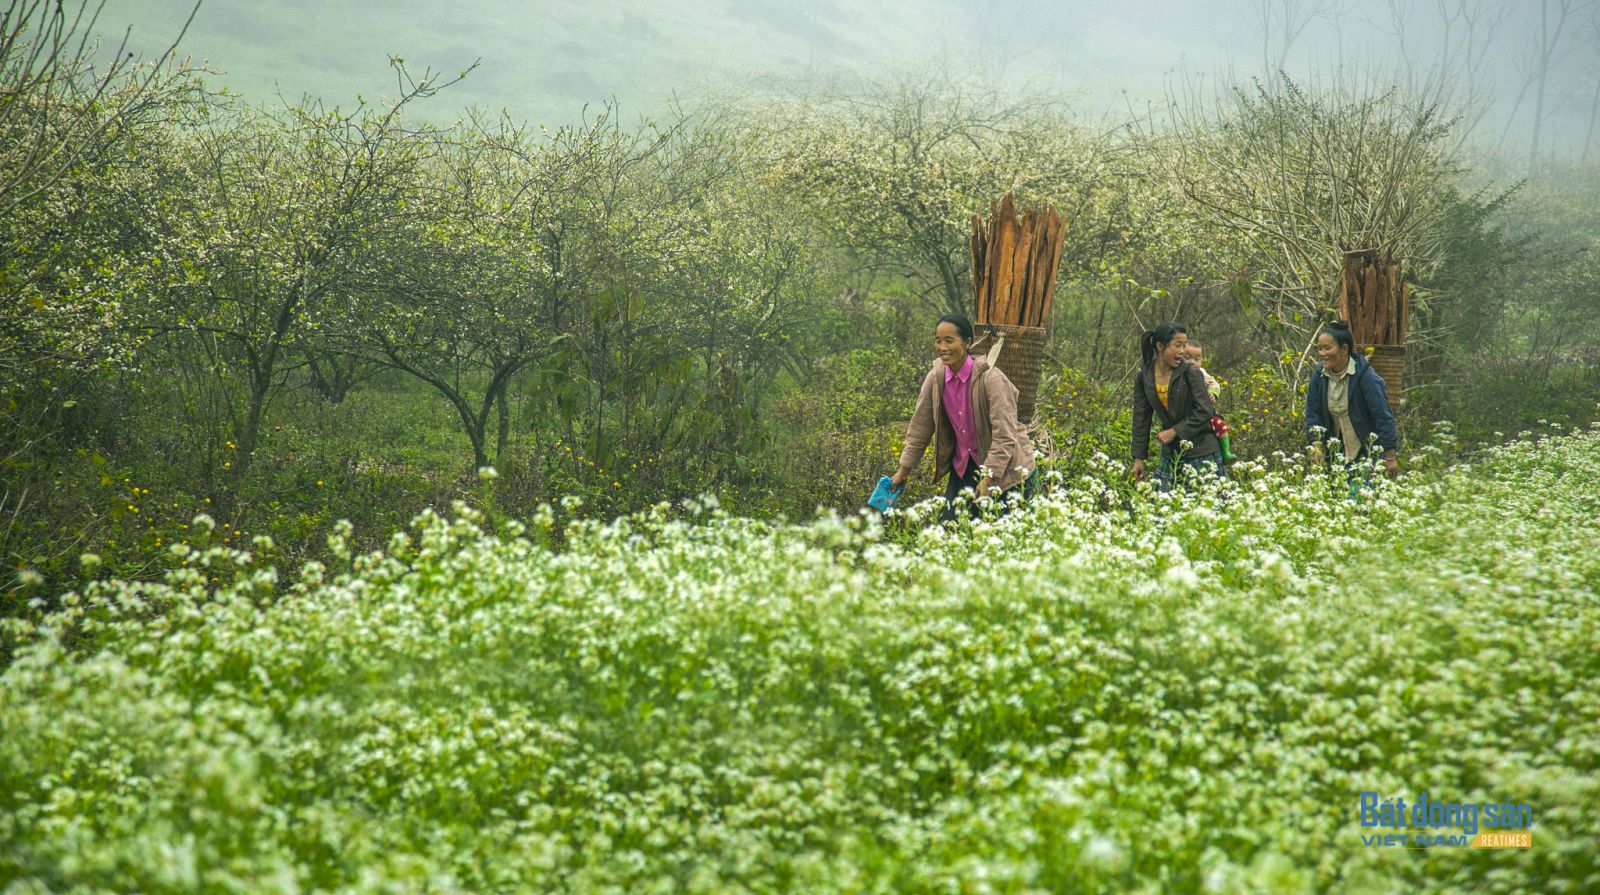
point(543, 60)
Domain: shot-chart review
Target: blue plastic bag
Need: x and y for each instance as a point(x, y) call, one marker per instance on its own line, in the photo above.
point(883, 496)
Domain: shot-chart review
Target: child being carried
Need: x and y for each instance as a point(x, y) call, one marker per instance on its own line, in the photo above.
point(1218, 424)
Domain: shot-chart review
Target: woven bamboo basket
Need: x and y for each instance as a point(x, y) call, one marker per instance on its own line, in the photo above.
point(1389, 361)
point(1018, 352)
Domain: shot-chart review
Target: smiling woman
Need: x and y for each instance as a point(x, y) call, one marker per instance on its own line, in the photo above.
point(1347, 403)
point(1173, 390)
point(969, 410)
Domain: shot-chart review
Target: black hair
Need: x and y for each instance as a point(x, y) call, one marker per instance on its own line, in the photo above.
point(960, 322)
point(1161, 335)
point(1340, 330)
point(1195, 343)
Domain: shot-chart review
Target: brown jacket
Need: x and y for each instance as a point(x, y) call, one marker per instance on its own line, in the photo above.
point(1003, 444)
point(1188, 410)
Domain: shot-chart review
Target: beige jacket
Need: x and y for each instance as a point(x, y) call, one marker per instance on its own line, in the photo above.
point(1003, 444)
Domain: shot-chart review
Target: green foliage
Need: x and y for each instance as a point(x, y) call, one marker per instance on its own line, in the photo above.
point(229, 305)
point(1264, 413)
point(894, 172)
point(1185, 694)
point(1295, 176)
point(1527, 349)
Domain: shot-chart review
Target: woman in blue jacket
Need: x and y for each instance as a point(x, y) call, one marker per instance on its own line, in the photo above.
point(1348, 400)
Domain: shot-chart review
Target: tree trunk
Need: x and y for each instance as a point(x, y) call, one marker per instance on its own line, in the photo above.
point(1594, 109)
point(1544, 75)
point(262, 368)
point(333, 377)
point(1550, 43)
point(480, 456)
point(326, 386)
point(505, 429)
point(473, 424)
point(1097, 353)
point(955, 294)
point(245, 451)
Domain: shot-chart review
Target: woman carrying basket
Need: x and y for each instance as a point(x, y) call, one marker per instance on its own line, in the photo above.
point(969, 410)
point(1347, 399)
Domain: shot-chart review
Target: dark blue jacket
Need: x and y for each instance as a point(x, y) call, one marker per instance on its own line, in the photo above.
point(1369, 407)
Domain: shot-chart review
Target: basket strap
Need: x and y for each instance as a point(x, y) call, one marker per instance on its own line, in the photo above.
point(993, 357)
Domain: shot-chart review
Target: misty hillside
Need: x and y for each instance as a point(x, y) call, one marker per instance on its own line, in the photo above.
point(544, 60)
point(540, 60)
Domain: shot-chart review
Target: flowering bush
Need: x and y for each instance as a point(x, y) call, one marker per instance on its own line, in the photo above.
point(1174, 694)
point(1084, 417)
point(1265, 413)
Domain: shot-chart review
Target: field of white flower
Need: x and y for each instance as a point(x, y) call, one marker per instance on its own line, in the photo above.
point(1168, 696)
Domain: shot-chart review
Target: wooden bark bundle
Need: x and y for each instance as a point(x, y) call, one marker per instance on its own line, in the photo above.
point(1014, 264)
point(1373, 298)
point(1377, 304)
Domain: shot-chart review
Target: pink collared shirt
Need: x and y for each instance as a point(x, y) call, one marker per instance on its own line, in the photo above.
point(957, 408)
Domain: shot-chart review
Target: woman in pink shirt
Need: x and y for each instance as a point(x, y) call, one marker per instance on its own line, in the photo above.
point(969, 410)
